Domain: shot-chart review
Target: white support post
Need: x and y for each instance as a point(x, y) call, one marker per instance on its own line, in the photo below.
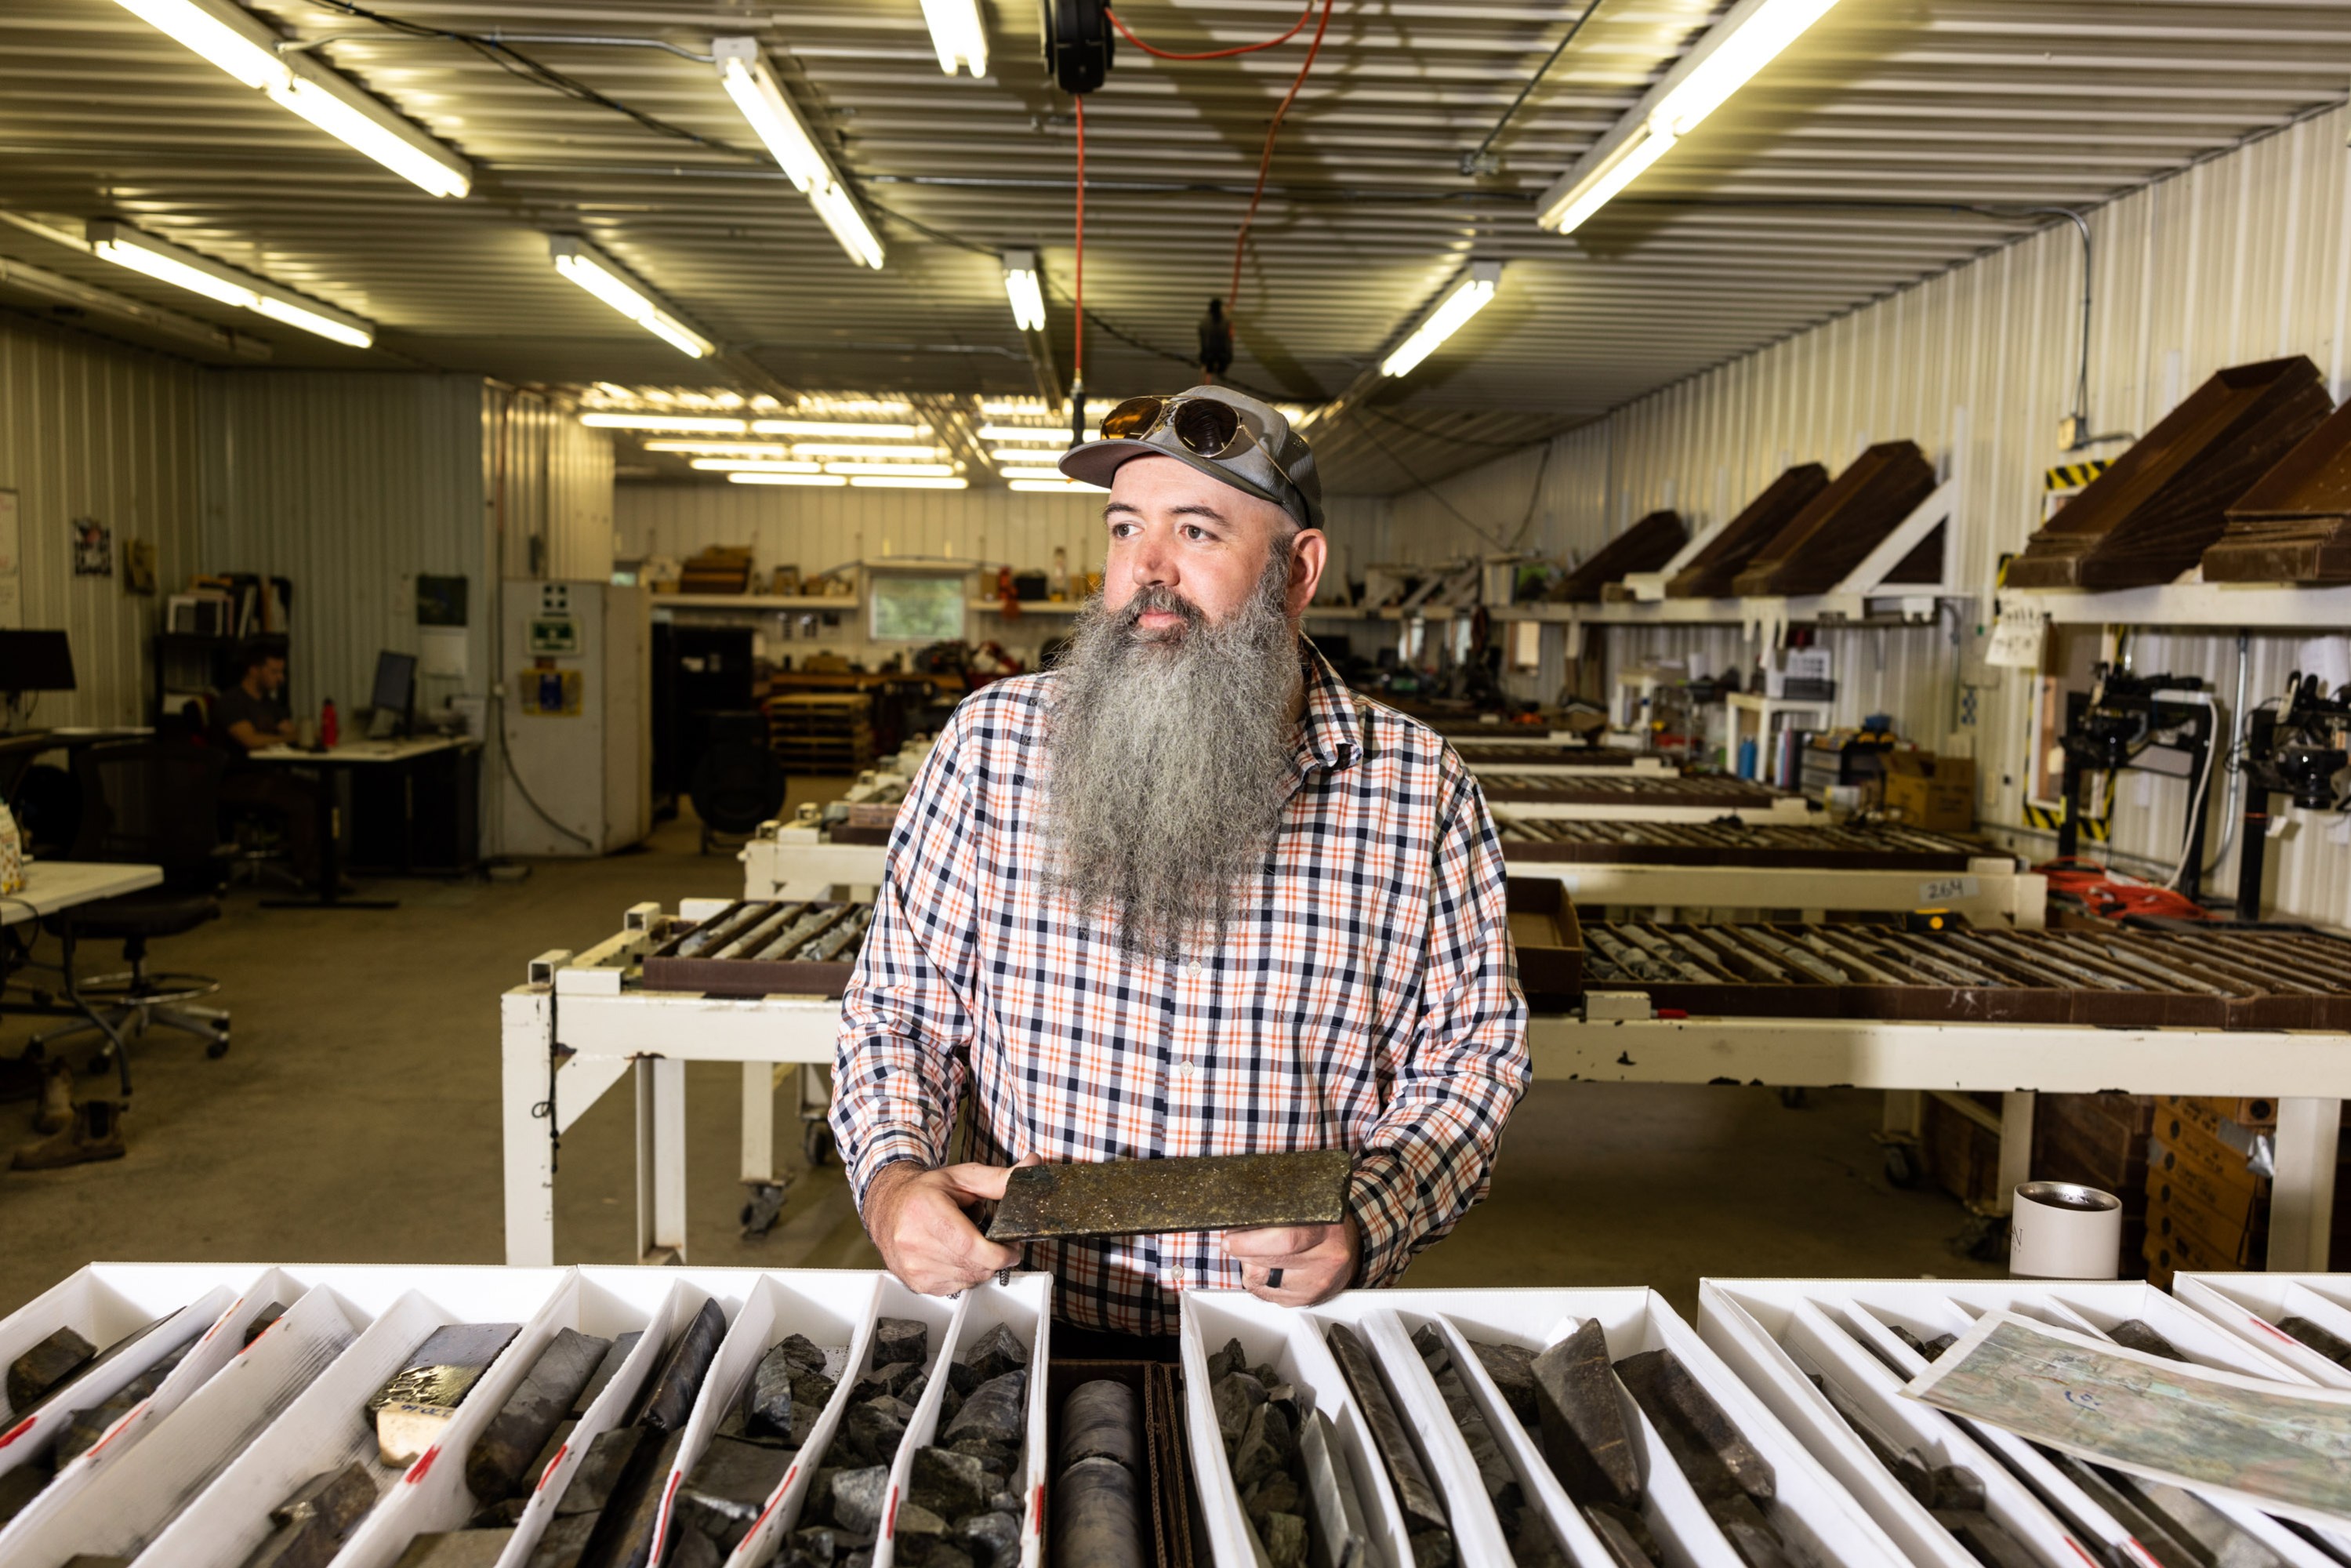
point(1906, 1112)
point(661, 1160)
point(525, 1039)
point(2015, 1146)
point(2302, 1193)
point(758, 1121)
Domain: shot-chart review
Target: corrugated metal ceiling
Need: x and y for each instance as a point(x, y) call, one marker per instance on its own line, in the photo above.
point(1753, 229)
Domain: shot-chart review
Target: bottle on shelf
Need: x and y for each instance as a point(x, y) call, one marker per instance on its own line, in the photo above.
point(327, 730)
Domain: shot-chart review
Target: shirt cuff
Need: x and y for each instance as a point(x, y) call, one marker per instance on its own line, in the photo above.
point(1379, 1194)
point(892, 1147)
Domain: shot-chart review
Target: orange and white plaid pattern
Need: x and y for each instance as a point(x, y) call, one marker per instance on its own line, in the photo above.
point(1366, 997)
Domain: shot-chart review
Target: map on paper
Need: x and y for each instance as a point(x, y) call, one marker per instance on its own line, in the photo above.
point(2283, 1447)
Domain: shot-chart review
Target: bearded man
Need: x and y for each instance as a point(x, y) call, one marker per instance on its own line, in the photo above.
point(1184, 894)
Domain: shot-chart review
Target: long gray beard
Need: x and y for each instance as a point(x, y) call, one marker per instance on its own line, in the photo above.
point(1170, 756)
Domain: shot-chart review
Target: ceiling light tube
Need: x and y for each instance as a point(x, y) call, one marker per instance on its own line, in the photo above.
point(839, 427)
point(825, 481)
point(876, 482)
point(1031, 472)
point(1465, 301)
point(862, 449)
point(1751, 35)
point(1052, 487)
point(1017, 434)
point(601, 276)
point(1020, 286)
point(184, 268)
point(742, 71)
point(1002, 455)
point(675, 423)
point(957, 35)
point(239, 43)
point(933, 470)
point(752, 466)
point(718, 449)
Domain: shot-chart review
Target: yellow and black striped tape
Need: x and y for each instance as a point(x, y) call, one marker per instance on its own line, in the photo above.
point(2098, 828)
point(2073, 475)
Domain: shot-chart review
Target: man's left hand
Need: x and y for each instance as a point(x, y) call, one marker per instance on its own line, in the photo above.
point(1297, 1265)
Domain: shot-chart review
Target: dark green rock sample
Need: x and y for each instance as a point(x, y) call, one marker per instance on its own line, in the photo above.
point(46, 1365)
point(499, 1464)
point(1136, 1198)
point(1701, 1438)
point(1098, 1515)
point(1584, 1436)
point(1423, 1510)
point(671, 1398)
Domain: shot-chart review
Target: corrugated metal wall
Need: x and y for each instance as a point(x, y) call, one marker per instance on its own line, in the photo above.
point(550, 483)
point(91, 430)
point(350, 485)
point(2242, 258)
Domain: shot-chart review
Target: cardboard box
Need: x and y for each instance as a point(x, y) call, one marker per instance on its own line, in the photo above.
point(1925, 790)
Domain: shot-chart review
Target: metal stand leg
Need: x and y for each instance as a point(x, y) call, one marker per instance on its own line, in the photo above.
point(661, 1160)
point(527, 1037)
point(2301, 1194)
point(2015, 1146)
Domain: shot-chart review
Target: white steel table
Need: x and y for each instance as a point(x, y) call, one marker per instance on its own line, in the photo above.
point(51, 886)
point(329, 760)
point(576, 1029)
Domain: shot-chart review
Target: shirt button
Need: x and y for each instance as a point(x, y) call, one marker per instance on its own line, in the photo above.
point(1184, 1069)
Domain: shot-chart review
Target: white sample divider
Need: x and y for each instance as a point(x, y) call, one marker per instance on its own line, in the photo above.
point(2028, 1464)
point(1024, 1303)
point(1443, 1453)
point(1280, 1338)
point(120, 1507)
point(36, 1432)
point(328, 1426)
point(828, 1308)
point(1540, 1486)
point(652, 1303)
point(762, 1542)
point(2322, 1312)
point(944, 1318)
point(1771, 1334)
point(1814, 1514)
point(2251, 1307)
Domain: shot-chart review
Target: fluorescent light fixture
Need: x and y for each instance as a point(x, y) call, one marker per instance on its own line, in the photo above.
point(1021, 287)
point(752, 466)
point(184, 268)
point(933, 470)
point(839, 427)
point(956, 34)
point(678, 423)
point(601, 276)
point(1003, 454)
point(1441, 323)
point(240, 44)
point(1016, 407)
point(862, 449)
point(742, 72)
point(718, 449)
point(1044, 436)
point(1751, 35)
point(1031, 472)
point(876, 482)
point(1053, 487)
point(825, 481)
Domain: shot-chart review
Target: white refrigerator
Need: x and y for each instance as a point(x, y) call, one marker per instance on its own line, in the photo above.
point(572, 724)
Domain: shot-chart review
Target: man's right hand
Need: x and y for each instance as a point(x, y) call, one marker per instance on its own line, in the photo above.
point(916, 1216)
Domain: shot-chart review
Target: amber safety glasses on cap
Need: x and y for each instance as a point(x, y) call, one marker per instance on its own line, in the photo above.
point(1204, 425)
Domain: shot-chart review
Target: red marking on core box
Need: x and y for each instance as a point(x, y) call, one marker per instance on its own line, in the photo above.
point(422, 1468)
point(2088, 1560)
point(221, 1321)
point(776, 1501)
point(2275, 1332)
point(116, 1430)
point(890, 1517)
point(661, 1525)
point(560, 1449)
point(1036, 1505)
point(2141, 1552)
point(15, 1431)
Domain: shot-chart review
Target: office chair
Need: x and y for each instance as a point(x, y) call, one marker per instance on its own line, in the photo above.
point(154, 803)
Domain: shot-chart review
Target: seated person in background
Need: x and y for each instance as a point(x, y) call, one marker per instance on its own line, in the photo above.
point(249, 717)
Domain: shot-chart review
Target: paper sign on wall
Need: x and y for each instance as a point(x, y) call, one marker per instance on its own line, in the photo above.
point(2017, 636)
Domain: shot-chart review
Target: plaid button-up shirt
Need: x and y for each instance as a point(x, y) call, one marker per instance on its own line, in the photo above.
point(1365, 996)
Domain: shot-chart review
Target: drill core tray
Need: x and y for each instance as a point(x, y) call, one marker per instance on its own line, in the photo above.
point(763, 947)
point(2120, 978)
point(1883, 847)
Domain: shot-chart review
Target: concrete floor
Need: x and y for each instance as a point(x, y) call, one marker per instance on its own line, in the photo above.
point(356, 1120)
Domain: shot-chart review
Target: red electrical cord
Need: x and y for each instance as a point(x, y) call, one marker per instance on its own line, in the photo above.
point(1265, 158)
point(1128, 33)
point(2104, 892)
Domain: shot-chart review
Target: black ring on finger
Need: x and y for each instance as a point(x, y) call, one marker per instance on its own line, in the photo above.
point(1273, 1279)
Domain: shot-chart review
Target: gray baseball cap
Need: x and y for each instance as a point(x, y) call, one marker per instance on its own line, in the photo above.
point(1266, 458)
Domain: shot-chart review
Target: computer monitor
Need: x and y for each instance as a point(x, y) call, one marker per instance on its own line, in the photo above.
point(395, 693)
point(36, 662)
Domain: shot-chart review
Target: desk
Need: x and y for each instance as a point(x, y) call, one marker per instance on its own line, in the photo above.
point(54, 885)
point(19, 752)
point(350, 754)
point(580, 1025)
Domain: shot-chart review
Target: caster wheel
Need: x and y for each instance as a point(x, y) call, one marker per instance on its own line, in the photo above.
point(1794, 1100)
point(1902, 1165)
point(217, 1049)
point(816, 1143)
point(102, 1064)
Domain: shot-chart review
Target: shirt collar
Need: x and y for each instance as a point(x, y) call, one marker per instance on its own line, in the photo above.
point(1329, 734)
